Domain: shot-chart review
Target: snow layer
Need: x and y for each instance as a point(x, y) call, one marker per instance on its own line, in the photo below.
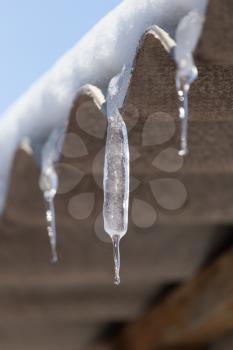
point(98, 57)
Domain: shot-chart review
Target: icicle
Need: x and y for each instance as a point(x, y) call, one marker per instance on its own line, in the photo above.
point(183, 84)
point(116, 168)
point(117, 258)
point(187, 36)
point(116, 184)
point(49, 185)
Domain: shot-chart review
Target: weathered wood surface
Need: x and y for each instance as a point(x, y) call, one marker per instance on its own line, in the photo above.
point(216, 40)
point(197, 313)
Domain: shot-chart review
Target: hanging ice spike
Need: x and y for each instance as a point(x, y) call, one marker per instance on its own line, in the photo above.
point(116, 185)
point(183, 84)
point(117, 258)
point(49, 186)
point(116, 169)
point(187, 36)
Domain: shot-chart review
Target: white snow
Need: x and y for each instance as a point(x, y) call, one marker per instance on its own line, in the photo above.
point(98, 57)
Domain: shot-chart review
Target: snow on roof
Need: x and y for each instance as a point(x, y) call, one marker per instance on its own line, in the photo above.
point(98, 56)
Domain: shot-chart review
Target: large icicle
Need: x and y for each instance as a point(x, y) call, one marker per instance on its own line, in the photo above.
point(49, 186)
point(116, 168)
point(187, 35)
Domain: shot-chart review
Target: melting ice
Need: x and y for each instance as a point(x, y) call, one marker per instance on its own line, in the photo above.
point(187, 35)
point(116, 167)
point(49, 186)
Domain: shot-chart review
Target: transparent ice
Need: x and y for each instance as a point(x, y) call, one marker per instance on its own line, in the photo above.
point(187, 35)
point(116, 167)
point(49, 186)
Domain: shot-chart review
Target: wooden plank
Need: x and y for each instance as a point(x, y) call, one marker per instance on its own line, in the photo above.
point(197, 313)
point(47, 336)
point(216, 41)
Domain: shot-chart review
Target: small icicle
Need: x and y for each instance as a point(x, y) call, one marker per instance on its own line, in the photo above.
point(117, 258)
point(116, 168)
point(183, 84)
point(49, 186)
point(187, 36)
point(51, 219)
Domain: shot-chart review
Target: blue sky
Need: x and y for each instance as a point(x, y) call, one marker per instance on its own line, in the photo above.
point(34, 33)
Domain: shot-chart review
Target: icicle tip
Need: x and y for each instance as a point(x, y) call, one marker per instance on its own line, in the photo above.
point(183, 152)
point(116, 255)
point(117, 281)
point(54, 259)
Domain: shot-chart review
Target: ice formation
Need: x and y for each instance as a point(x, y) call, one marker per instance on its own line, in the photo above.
point(49, 185)
point(98, 57)
point(116, 167)
point(187, 35)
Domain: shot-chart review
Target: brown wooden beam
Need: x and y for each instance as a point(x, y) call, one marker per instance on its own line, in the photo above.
point(216, 42)
point(194, 315)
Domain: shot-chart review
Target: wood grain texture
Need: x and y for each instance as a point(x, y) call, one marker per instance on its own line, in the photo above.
point(216, 41)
